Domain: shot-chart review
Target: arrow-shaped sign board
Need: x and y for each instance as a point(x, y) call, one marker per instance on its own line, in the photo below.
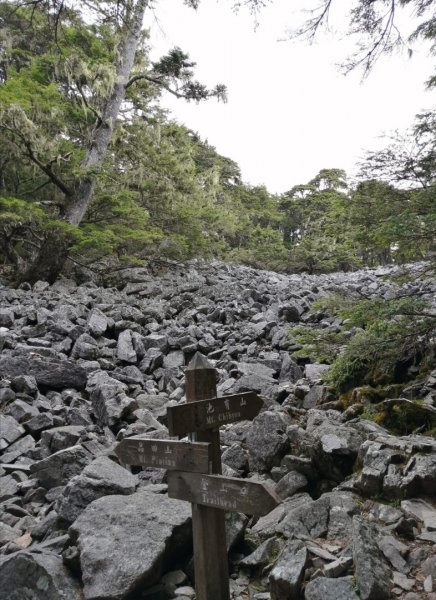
point(226, 493)
point(165, 454)
point(210, 414)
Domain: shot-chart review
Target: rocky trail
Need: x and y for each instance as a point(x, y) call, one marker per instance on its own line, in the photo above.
point(82, 367)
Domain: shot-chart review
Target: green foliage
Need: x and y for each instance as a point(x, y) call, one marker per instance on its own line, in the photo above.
point(385, 339)
point(320, 345)
point(162, 191)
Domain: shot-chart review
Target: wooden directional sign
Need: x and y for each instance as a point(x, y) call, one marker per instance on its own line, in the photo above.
point(211, 414)
point(165, 454)
point(225, 493)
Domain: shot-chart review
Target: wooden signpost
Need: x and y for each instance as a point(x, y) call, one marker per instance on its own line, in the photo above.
point(165, 454)
point(210, 414)
point(226, 493)
point(195, 471)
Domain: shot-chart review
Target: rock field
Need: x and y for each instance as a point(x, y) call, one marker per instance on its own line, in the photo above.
point(82, 367)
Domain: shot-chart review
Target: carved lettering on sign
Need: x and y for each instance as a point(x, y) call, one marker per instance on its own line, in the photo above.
point(211, 414)
point(163, 454)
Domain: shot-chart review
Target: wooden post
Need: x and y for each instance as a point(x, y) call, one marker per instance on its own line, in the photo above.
point(208, 524)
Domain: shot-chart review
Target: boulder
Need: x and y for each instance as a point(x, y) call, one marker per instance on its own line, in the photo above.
point(102, 477)
point(267, 442)
point(290, 484)
point(60, 467)
point(10, 430)
point(49, 373)
point(125, 349)
point(286, 578)
point(97, 322)
point(323, 588)
point(36, 576)
point(126, 541)
point(290, 371)
point(315, 371)
point(372, 572)
point(109, 400)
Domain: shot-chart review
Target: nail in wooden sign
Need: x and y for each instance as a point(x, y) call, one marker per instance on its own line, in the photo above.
point(225, 493)
point(165, 454)
point(210, 414)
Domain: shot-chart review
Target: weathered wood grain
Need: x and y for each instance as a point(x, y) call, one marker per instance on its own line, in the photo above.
point(211, 414)
point(165, 454)
point(225, 493)
point(208, 524)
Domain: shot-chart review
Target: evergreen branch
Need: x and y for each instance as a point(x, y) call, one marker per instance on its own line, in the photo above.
point(47, 169)
point(88, 106)
point(37, 188)
point(155, 80)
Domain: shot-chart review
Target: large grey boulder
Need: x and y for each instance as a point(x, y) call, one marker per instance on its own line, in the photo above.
point(290, 484)
point(60, 467)
point(100, 478)
point(290, 371)
point(97, 322)
point(267, 442)
point(49, 372)
point(307, 518)
point(372, 572)
point(287, 575)
point(60, 438)
point(10, 430)
point(125, 348)
point(41, 576)
point(324, 588)
point(125, 542)
point(109, 400)
point(7, 317)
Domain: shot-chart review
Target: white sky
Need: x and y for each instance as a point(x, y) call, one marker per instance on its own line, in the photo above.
point(290, 111)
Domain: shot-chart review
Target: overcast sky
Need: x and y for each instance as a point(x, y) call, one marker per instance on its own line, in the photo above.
point(290, 111)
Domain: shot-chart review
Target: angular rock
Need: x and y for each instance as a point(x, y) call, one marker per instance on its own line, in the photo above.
point(236, 458)
point(7, 533)
point(59, 468)
point(10, 430)
point(315, 371)
point(372, 573)
point(19, 448)
point(85, 347)
point(25, 384)
point(8, 487)
point(286, 578)
point(343, 506)
point(391, 548)
point(267, 442)
point(32, 576)
point(263, 555)
point(125, 542)
point(109, 401)
point(59, 438)
point(49, 373)
point(290, 484)
point(100, 478)
point(421, 510)
point(97, 322)
point(290, 371)
point(7, 317)
point(309, 518)
point(125, 350)
point(290, 312)
point(271, 523)
point(324, 588)
point(420, 475)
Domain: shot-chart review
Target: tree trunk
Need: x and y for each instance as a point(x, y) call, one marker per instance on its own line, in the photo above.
point(54, 250)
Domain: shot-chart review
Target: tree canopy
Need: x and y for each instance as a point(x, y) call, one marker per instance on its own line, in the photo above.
point(93, 170)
